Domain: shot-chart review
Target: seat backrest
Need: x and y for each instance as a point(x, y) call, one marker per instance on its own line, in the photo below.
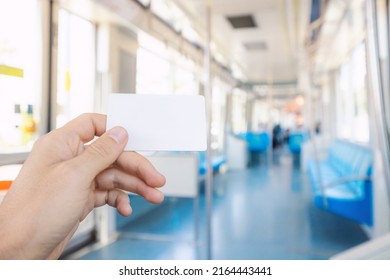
point(258, 141)
point(295, 141)
point(349, 160)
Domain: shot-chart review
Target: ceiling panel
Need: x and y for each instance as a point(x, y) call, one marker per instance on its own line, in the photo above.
point(280, 27)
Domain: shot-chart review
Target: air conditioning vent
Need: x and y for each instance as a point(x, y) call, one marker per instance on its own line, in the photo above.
point(256, 46)
point(243, 21)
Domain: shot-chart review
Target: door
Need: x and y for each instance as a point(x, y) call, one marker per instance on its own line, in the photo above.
point(73, 72)
point(23, 110)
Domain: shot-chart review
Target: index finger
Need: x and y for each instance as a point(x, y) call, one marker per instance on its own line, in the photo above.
point(136, 164)
point(86, 126)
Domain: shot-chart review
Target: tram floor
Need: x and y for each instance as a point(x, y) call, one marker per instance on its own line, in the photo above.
point(263, 212)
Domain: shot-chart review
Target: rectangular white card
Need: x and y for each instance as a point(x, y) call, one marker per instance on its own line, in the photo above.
point(159, 122)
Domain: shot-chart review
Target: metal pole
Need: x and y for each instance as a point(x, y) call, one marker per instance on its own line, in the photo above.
point(208, 97)
point(376, 87)
point(271, 123)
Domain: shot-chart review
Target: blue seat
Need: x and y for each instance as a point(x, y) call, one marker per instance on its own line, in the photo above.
point(216, 163)
point(295, 141)
point(258, 142)
point(342, 183)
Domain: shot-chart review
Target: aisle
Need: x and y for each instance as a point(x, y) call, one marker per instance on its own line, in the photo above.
point(264, 212)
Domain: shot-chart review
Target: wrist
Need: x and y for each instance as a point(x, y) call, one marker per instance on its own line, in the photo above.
point(8, 241)
point(14, 239)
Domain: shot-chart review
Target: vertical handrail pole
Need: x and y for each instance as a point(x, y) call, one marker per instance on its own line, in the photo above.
point(208, 97)
point(376, 88)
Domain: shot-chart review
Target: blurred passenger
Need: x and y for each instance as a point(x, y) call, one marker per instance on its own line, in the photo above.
point(317, 128)
point(286, 136)
point(277, 136)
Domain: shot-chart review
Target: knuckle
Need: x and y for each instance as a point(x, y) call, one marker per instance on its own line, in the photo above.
point(101, 149)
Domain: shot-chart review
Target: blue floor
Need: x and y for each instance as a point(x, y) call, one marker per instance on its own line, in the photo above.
point(264, 212)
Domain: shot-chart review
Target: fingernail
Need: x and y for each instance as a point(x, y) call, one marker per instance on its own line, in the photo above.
point(118, 133)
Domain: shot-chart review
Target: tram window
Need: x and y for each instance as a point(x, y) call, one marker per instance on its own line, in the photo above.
point(153, 73)
point(359, 87)
point(161, 70)
point(184, 78)
point(238, 115)
point(219, 92)
point(185, 82)
point(20, 74)
point(260, 116)
point(76, 67)
point(352, 98)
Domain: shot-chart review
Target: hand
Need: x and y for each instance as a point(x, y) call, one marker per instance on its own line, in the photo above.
point(63, 179)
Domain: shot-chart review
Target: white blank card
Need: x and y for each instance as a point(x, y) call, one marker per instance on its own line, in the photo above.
point(159, 122)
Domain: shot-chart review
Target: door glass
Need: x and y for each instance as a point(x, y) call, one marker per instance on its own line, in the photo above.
point(20, 74)
point(76, 67)
point(156, 79)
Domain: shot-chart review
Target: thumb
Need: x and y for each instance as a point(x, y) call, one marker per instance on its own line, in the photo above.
point(103, 152)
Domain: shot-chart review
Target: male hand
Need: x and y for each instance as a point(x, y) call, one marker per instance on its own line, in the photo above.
point(63, 179)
